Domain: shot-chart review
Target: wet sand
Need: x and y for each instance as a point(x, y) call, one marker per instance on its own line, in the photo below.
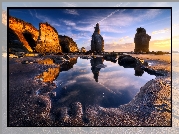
point(150, 107)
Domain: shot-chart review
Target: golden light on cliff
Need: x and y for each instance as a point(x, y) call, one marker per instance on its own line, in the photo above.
point(19, 27)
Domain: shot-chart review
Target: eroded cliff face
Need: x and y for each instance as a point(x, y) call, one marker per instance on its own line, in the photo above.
point(67, 44)
point(45, 40)
point(26, 32)
point(48, 41)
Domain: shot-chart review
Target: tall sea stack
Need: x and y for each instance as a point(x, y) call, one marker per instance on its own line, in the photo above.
point(97, 42)
point(141, 40)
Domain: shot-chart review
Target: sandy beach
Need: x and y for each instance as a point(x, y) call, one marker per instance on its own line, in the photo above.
point(150, 107)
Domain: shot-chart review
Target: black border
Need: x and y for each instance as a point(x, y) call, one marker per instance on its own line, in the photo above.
point(8, 8)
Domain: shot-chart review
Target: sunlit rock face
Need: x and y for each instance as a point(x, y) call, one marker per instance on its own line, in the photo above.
point(27, 34)
point(97, 42)
point(48, 41)
point(67, 44)
point(141, 40)
point(83, 50)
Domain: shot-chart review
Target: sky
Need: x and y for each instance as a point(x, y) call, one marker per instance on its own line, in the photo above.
point(117, 26)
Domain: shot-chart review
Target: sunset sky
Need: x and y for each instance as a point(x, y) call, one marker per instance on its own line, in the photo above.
point(118, 26)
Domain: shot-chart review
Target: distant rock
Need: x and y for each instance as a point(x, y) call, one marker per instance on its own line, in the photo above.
point(141, 41)
point(83, 50)
point(67, 44)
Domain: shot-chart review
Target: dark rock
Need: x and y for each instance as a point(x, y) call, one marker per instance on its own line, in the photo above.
point(97, 42)
point(141, 41)
point(138, 71)
point(67, 57)
point(25, 62)
point(127, 61)
point(67, 44)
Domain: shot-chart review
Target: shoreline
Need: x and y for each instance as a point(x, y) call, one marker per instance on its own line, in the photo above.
point(153, 101)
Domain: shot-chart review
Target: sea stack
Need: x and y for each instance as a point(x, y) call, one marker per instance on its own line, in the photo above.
point(141, 41)
point(97, 42)
point(48, 41)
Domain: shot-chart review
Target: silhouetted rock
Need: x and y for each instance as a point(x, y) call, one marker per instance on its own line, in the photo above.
point(95, 62)
point(67, 44)
point(141, 41)
point(127, 61)
point(66, 65)
point(138, 71)
point(111, 57)
point(97, 42)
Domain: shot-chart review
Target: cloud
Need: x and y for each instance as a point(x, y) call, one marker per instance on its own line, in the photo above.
point(151, 13)
point(31, 13)
point(110, 15)
point(161, 31)
point(157, 21)
point(46, 19)
point(119, 47)
point(71, 11)
point(69, 23)
point(175, 25)
point(160, 45)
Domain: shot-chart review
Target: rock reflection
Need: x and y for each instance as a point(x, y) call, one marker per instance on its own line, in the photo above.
point(95, 70)
point(50, 75)
point(65, 66)
point(130, 62)
point(47, 61)
point(138, 71)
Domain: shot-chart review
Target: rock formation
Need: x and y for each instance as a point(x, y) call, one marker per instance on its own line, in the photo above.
point(67, 44)
point(97, 42)
point(48, 41)
point(26, 32)
point(24, 36)
point(141, 40)
point(94, 63)
point(83, 50)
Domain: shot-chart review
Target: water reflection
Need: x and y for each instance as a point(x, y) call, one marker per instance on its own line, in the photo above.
point(75, 82)
point(95, 70)
point(50, 75)
point(138, 71)
point(65, 66)
point(132, 64)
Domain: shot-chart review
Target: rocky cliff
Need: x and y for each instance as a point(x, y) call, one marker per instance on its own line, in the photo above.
point(67, 44)
point(26, 32)
point(45, 40)
point(48, 41)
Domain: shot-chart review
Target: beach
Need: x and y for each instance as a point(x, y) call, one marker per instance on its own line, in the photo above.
point(150, 107)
